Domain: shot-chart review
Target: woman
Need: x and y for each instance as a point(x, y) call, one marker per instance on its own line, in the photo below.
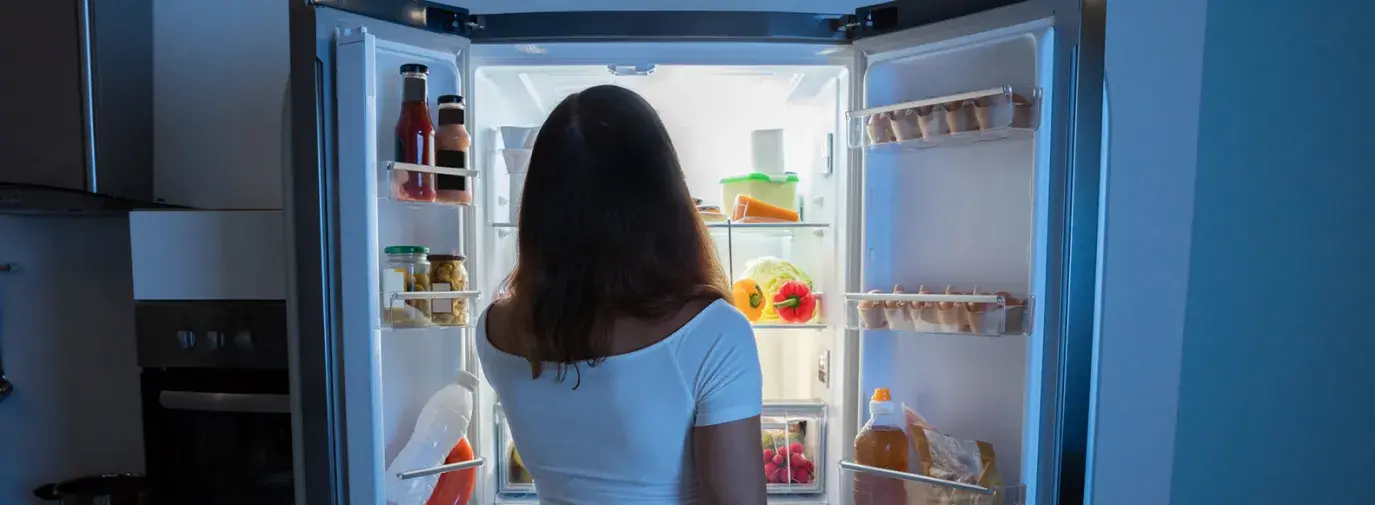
point(624, 374)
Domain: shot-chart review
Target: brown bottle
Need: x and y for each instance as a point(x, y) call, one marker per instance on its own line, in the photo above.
point(451, 151)
point(414, 137)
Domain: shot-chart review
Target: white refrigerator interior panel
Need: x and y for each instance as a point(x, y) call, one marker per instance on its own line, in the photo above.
point(415, 365)
point(711, 97)
point(207, 255)
point(961, 216)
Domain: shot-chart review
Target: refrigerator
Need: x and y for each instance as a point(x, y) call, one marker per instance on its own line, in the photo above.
point(950, 148)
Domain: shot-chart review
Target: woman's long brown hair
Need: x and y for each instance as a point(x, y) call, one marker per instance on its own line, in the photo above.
point(607, 229)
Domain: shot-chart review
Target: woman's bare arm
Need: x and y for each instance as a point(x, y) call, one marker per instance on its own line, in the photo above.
point(728, 462)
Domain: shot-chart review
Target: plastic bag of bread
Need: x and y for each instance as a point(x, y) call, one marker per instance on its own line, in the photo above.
point(934, 454)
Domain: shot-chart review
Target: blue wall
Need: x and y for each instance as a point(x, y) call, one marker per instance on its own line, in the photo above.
point(1275, 396)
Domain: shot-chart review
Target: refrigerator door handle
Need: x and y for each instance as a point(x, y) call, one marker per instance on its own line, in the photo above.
point(225, 402)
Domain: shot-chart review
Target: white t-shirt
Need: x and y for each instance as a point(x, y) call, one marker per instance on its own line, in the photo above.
point(625, 435)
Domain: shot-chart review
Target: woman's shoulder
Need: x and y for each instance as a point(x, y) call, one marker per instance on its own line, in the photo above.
point(494, 325)
point(720, 325)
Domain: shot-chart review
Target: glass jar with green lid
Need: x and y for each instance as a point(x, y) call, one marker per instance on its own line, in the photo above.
point(406, 270)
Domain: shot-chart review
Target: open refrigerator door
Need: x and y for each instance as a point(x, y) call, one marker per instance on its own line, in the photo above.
point(958, 298)
point(383, 231)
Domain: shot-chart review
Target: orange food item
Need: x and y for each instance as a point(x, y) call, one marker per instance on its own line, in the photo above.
point(747, 207)
point(455, 488)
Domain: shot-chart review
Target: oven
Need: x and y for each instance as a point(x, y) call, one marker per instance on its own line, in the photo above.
point(216, 402)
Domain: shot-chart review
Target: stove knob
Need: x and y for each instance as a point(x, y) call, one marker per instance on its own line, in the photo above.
point(186, 339)
point(216, 339)
point(244, 340)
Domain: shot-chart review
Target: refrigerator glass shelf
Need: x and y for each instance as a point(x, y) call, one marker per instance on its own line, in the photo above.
point(934, 490)
point(787, 229)
point(985, 314)
point(783, 230)
point(1004, 112)
point(790, 326)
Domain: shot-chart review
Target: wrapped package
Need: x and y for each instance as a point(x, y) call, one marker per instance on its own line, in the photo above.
point(944, 457)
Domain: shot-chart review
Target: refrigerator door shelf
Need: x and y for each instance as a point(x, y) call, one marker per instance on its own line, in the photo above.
point(441, 469)
point(975, 315)
point(934, 490)
point(950, 120)
point(411, 167)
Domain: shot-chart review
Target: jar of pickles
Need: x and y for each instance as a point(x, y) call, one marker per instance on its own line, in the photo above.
point(447, 273)
point(406, 270)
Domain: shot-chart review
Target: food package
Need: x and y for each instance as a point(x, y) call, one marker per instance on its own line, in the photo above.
point(905, 125)
point(897, 312)
point(749, 209)
point(770, 273)
point(957, 116)
point(871, 313)
point(929, 121)
point(937, 455)
point(711, 213)
point(515, 471)
point(993, 112)
point(880, 129)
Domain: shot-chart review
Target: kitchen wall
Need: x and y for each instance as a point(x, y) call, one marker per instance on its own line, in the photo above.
point(67, 326)
point(1222, 378)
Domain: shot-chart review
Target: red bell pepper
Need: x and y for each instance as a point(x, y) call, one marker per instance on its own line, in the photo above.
point(794, 302)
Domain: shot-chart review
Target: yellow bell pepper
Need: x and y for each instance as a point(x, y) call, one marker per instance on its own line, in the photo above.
point(748, 297)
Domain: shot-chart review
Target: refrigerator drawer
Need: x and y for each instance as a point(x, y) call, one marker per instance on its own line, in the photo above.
point(792, 438)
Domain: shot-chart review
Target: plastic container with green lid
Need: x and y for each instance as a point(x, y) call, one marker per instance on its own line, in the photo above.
point(774, 189)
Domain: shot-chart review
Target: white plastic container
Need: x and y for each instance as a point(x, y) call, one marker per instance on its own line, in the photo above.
point(517, 160)
point(441, 424)
point(513, 197)
point(766, 149)
point(519, 137)
point(774, 189)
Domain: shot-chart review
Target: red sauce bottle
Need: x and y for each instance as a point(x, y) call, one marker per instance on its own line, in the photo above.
point(414, 137)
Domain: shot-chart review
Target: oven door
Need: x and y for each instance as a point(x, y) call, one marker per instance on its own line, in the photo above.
point(218, 437)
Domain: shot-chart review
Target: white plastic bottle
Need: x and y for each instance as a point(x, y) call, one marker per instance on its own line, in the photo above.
point(442, 422)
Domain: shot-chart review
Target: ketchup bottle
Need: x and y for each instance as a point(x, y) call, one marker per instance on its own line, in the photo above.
point(414, 137)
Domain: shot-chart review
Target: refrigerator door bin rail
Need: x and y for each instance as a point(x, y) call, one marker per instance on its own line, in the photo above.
point(945, 491)
point(1004, 112)
point(411, 167)
point(434, 295)
point(398, 171)
point(983, 314)
point(412, 310)
point(435, 470)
